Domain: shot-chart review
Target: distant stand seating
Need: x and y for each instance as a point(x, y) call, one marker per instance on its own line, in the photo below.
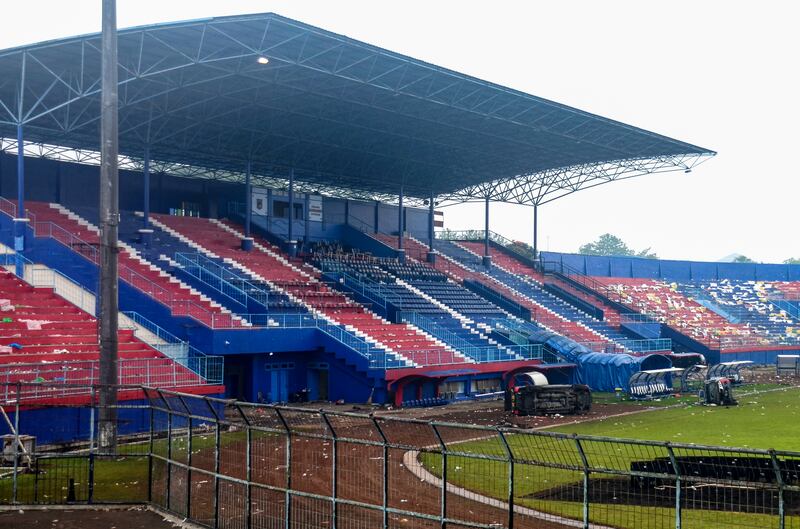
point(666, 303)
point(751, 303)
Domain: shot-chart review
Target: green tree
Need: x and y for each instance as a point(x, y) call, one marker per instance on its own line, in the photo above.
point(792, 260)
point(608, 244)
point(743, 259)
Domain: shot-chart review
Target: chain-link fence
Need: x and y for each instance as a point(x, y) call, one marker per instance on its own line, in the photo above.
point(237, 465)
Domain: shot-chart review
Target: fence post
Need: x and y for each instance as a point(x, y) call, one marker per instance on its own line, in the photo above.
point(150, 452)
point(443, 491)
point(678, 509)
point(216, 472)
point(585, 462)
point(288, 500)
point(385, 502)
point(334, 441)
point(248, 513)
point(188, 461)
point(36, 482)
point(91, 445)
point(510, 455)
point(16, 446)
point(776, 466)
point(168, 492)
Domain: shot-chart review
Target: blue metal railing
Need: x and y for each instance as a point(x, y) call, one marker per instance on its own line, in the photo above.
point(236, 287)
point(205, 366)
point(635, 317)
point(791, 307)
point(39, 277)
point(489, 353)
point(372, 291)
point(378, 358)
point(209, 368)
point(514, 330)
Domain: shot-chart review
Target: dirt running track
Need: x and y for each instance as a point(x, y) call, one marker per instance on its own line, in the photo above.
point(359, 470)
point(135, 518)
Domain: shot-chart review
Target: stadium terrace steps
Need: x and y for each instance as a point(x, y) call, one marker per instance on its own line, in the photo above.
point(512, 267)
point(139, 272)
point(44, 337)
point(503, 260)
point(418, 251)
point(430, 301)
point(302, 283)
point(611, 315)
point(542, 314)
point(602, 330)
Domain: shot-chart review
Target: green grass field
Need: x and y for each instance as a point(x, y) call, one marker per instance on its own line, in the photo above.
point(117, 479)
point(767, 419)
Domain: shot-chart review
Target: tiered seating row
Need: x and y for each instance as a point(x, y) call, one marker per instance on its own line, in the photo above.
point(601, 331)
point(504, 260)
point(611, 316)
point(459, 299)
point(45, 339)
point(80, 235)
point(303, 284)
point(440, 307)
point(541, 314)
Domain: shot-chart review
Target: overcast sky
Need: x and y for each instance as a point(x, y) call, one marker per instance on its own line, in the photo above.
point(720, 74)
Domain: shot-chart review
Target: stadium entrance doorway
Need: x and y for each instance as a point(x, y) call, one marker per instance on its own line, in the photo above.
point(318, 381)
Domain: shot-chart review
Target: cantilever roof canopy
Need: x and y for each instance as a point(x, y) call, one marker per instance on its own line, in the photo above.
point(205, 96)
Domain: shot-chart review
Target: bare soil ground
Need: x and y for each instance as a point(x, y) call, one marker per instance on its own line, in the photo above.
point(360, 478)
point(486, 413)
point(133, 518)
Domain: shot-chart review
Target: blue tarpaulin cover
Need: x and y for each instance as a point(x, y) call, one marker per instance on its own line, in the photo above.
point(600, 371)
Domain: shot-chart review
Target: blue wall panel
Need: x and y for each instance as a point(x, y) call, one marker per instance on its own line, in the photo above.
point(649, 268)
point(356, 239)
point(621, 267)
point(741, 271)
point(597, 266)
point(362, 214)
point(332, 210)
point(673, 270)
point(703, 271)
point(772, 272)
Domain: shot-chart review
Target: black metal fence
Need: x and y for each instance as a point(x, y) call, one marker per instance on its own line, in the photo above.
point(238, 465)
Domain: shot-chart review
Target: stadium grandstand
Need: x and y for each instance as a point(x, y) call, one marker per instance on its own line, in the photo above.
point(280, 192)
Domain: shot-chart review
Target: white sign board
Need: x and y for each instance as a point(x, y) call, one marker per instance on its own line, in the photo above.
point(315, 208)
point(259, 205)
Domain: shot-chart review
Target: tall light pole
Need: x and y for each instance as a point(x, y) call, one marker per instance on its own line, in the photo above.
point(109, 223)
